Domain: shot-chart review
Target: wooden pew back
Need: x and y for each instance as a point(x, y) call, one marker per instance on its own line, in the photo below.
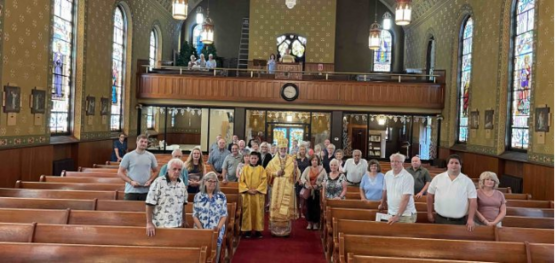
point(517, 234)
point(375, 259)
point(38, 203)
point(528, 222)
point(45, 216)
point(81, 174)
point(431, 248)
point(37, 252)
point(71, 186)
point(57, 194)
point(529, 212)
point(98, 170)
point(16, 232)
point(65, 179)
point(539, 252)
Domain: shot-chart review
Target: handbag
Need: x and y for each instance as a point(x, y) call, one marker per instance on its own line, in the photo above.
point(305, 193)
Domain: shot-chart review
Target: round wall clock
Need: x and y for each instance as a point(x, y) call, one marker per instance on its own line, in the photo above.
point(289, 92)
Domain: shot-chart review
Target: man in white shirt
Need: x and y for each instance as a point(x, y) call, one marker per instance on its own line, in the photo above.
point(453, 196)
point(355, 168)
point(398, 192)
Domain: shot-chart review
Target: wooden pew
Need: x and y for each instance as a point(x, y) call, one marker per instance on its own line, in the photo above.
point(530, 203)
point(529, 212)
point(427, 248)
point(39, 203)
point(57, 194)
point(105, 218)
point(539, 252)
point(16, 232)
point(101, 180)
point(45, 216)
point(70, 186)
point(97, 170)
point(127, 236)
point(352, 258)
point(37, 252)
point(108, 166)
point(81, 174)
point(532, 235)
point(370, 228)
point(528, 222)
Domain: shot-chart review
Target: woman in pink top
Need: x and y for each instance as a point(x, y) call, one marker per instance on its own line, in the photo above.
point(492, 206)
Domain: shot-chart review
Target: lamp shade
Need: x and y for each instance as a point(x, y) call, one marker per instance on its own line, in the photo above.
point(200, 16)
point(290, 3)
point(403, 12)
point(207, 33)
point(374, 38)
point(179, 9)
point(387, 21)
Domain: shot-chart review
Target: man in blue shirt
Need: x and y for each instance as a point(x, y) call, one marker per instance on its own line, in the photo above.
point(183, 176)
point(217, 157)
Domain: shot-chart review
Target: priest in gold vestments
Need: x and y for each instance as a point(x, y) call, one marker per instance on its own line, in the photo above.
point(253, 186)
point(282, 172)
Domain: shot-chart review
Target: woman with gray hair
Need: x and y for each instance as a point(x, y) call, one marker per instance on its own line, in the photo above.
point(328, 157)
point(492, 206)
point(210, 207)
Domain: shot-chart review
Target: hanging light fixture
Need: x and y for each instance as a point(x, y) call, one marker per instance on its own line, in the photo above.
point(290, 3)
point(207, 33)
point(179, 9)
point(200, 16)
point(403, 12)
point(374, 38)
point(386, 21)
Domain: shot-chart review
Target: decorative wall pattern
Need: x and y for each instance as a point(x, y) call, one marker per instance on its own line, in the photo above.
point(313, 19)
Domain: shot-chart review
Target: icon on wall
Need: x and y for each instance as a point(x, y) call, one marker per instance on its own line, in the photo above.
point(39, 101)
point(474, 119)
point(90, 105)
point(12, 97)
point(542, 119)
point(488, 119)
point(104, 106)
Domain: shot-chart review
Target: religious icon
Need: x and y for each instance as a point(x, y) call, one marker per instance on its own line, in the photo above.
point(39, 101)
point(542, 120)
point(474, 119)
point(104, 106)
point(90, 105)
point(115, 75)
point(488, 120)
point(13, 99)
point(58, 66)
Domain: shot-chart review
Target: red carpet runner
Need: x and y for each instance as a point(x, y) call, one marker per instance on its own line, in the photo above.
point(301, 246)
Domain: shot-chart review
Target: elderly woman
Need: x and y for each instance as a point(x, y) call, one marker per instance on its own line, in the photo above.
point(372, 184)
point(335, 184)
point(328, 157)
point(244, 161)
point(312, 179)
point(265, 155)
point(492, 206)
point(192, 61)
point(195, 169)
point(338, 155)
point(318, 151)
point(210, 207)
point(201, 61)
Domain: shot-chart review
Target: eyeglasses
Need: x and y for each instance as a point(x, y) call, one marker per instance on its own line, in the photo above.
point(211, 181)
point(396, 161)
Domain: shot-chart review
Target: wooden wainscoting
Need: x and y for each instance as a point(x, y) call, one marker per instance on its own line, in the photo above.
point(341, 93)
point(180, 138)
point(94, 152)
point(25, 164)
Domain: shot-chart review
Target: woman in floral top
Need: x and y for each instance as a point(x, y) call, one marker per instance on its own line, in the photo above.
point(210, 207)
point(335, 184)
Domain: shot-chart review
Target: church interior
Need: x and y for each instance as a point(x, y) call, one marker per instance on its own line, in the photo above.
point(427, 78)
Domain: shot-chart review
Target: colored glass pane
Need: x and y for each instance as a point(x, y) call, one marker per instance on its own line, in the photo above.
point(118, 63)
point(382, 56)
point(522, 73)
point(153, 47)
point(465, 74)
point(62, 62)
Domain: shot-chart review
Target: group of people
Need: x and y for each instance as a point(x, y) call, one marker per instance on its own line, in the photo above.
point(202, 63)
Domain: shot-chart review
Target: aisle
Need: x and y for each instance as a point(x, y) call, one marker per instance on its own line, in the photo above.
point(302, 246)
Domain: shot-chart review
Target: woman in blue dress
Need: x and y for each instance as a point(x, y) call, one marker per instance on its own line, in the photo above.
point(371, 186)
point(271, 64)
point(120, 148)
point(210, 207)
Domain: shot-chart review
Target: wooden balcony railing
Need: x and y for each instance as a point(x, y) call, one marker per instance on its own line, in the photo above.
point(339, 89)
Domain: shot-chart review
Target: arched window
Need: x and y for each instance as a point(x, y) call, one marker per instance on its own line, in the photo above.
point(62, 66)
point(195, 38)
point(118, 68)
point(522, 73)
point(431, 56)
point(382, 56)
point(465, 70)
point(153, 54)
point(296, 44)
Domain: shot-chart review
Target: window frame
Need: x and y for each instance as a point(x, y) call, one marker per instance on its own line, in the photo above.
point(123, 65)
point(390, 53)
point(460, 72)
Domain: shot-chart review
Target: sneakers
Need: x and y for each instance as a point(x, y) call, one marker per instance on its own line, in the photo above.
point(309, 227)
point(247, 235)
point(315, 226)
point(257, 234)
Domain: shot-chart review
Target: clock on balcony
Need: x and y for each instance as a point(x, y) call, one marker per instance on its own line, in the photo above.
point(289, 92)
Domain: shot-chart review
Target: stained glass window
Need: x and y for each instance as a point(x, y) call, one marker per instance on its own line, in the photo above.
point(296, 44)
point(153, 48)
point(197, 44)
point(522, 73)
point(118, 66)
point(382, 56)
point(465, 70)
point(62, 66)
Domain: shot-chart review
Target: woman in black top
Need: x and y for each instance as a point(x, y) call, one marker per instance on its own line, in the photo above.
point(195, 169)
